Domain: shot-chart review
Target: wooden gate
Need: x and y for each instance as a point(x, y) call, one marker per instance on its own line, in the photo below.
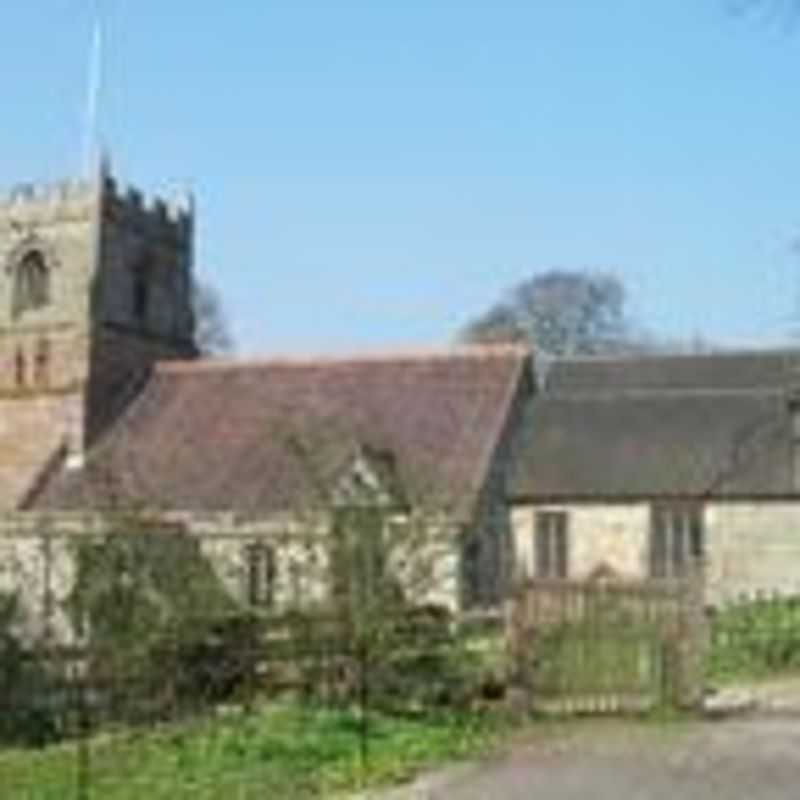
point(609, 647)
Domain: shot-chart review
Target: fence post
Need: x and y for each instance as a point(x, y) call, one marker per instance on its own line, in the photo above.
point(692, 638)
point(519, 694)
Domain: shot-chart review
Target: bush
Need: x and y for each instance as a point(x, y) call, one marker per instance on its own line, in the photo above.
point(214, 659)
point(31, 709)
point(162, 636)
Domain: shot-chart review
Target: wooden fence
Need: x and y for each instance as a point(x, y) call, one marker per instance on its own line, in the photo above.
point(609, 647)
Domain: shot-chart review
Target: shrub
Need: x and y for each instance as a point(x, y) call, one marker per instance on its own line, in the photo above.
point(162, 636)
point(29, 702)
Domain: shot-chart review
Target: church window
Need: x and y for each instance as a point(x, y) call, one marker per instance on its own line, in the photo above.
point(141, 293)
point(551, 544)
point(261, 574)
point(42, 363)
point(677, 538)
point(31, 283)
point(19, 369)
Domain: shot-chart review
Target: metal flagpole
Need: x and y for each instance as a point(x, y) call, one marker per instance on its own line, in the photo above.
point(93, 94)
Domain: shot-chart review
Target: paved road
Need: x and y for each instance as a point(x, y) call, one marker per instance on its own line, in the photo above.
point(744, 759)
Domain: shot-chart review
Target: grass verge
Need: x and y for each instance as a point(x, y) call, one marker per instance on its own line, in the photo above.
point(280, 751)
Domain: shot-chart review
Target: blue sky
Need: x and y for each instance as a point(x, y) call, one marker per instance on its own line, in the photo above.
point(373, 174)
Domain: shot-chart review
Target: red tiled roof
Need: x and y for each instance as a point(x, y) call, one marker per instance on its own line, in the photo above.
point(258, 436)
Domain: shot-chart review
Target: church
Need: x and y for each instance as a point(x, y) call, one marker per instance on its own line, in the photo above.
point(106, 406)
point(631, 467)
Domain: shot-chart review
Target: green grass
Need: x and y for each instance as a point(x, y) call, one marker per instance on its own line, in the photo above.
point(283, 751)
point(756, 639)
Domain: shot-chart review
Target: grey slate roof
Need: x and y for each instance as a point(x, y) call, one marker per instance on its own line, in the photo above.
point(672, 426)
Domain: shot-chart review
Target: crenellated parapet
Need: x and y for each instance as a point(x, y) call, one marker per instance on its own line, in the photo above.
point(42, 204)
point(45, 203)
point(52, 194)
point(154, 216)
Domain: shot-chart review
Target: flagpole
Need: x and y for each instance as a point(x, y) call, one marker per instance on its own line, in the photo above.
point(94, 88)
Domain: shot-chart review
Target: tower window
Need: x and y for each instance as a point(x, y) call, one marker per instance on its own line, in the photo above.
point(141, 294)
point(31, 283)
point(41, 375)
point(19, 369)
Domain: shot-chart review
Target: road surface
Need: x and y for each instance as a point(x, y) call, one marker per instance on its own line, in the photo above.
point(733, 759)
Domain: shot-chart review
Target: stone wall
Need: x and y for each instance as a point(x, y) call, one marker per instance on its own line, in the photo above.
point(70, 362)
point(140, 241)
point(151, 241)
point(751, 547)
point(599, 535)
point(33, 430)
point(38, 569)
point(37, 558)
point(488, 546)
point(59, 223)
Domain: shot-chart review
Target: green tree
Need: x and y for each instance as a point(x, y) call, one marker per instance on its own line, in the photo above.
point(160, 631)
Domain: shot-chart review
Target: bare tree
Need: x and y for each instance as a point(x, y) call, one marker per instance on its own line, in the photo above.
point(562, 313)
point(212, 330)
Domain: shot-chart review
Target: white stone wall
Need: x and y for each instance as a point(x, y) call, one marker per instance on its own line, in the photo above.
point(610, 535)
point(37, 559)
point(750, 546)
point(39, 571)
point(753, 547)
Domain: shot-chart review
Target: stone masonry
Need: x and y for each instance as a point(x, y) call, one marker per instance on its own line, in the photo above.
point(95, 286)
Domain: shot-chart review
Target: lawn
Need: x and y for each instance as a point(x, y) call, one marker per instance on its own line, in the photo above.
point(284, 751)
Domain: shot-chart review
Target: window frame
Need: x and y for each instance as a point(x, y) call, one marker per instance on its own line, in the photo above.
point(551, 548)
point(677, 538)
point(20, 369)
point(41, 366)
point(32, 282)
point(141, 294)
point(261, 572)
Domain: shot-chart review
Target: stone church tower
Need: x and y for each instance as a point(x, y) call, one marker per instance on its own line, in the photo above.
point(95, 286)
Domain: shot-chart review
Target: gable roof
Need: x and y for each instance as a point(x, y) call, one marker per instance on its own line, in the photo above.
point(714, 425)
point(263, 436)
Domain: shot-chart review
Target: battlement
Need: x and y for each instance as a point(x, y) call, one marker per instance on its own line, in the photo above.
point(49, 202)
point(46, 195)
point(172, 218)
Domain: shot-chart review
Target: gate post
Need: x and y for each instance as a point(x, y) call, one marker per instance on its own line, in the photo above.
point(692, 645)
point(519, 697)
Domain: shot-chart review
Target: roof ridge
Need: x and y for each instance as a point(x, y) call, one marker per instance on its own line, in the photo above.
point(787, 351)
point(363, 357)
point(665, 391)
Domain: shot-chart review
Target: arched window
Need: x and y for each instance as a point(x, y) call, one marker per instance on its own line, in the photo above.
point(31, 283)
point(41, 372)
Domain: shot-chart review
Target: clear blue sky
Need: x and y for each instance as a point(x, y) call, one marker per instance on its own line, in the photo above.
point(373, 174)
